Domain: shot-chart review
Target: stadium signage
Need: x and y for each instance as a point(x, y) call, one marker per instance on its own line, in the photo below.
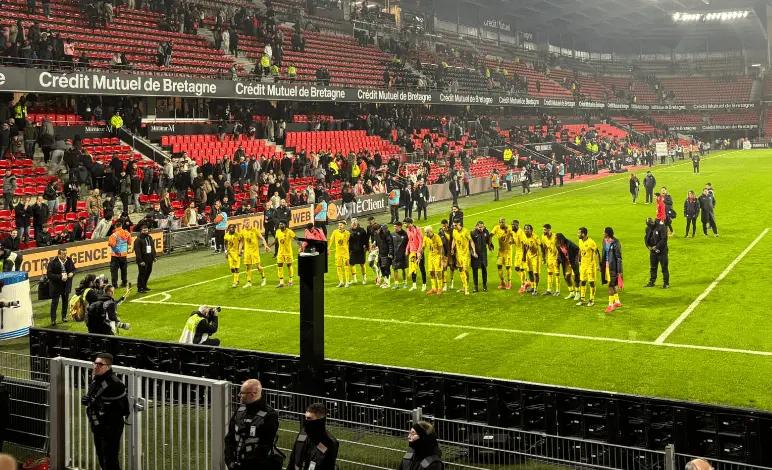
point(494, 23)
point(85, 254)
point(123, 84)
point(363, 205)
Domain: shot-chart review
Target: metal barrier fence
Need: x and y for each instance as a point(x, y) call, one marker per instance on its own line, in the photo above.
point(180, 422)
point(188, 238)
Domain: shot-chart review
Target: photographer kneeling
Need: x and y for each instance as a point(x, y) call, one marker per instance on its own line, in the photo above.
point(201, 324)
point(102, 315)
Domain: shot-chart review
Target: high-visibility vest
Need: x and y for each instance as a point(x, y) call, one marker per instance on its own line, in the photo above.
point(292, 71)
point(507, 155)
point(116, 121)
point(189, 331)
point(275, 70)
point(20, 111)
point(265, 62)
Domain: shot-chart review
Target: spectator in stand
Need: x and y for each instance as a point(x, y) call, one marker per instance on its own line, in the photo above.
point(43, 236)
point(9, 188)
point(124, 191)
point(40, 214)
point(136, 190)
point(94, 207)
point(12, 246)
point(103, 229)
point(51, 196)
point(30, 138)
point(78, 232)
point(72, 194)
point(5, 139)
point(190, 218)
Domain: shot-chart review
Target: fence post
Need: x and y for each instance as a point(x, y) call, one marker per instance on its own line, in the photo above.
point(221, 405)
point(670, 457)
point(417, 414)
point(56, 428)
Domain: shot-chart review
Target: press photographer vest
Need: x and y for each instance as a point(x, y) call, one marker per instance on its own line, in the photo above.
point(189, 331)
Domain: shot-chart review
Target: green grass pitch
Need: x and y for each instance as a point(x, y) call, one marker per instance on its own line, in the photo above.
point(720, 353)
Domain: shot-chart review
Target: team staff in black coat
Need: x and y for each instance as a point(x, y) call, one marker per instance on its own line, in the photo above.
point(421, 199)
point(13, 256)
point(656, 242)
point(251, 431)
point(107, 405)
point(481, 238)
point(385, 254)
point(707, 207)
point(399, 261)
point(424, 452)
point(314, 448)
point(649, 183)
point(611, 268)
point(691, 211)
point(568, 259)
point(60, 271)
point(358, 244)
point(145, 255)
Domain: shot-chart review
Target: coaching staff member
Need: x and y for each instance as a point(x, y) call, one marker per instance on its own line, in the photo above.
point(315, 448)
point(107, 405)
point(60, 272)
point(252, 432)
point(144, 251)
point(568, 259)
point(656, 242)
point(611, 268)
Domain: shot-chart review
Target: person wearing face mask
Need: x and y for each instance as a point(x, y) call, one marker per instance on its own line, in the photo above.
point(315, 448)
point(424, 452)
point(252, 430)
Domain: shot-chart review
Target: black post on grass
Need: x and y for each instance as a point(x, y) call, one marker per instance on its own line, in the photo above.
point(312, 265)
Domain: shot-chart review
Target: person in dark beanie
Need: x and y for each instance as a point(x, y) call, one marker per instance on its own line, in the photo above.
point(314, 448)
point(424, 452)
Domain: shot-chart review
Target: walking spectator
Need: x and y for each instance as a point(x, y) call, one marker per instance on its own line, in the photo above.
point(707, 214)
point(691, 211)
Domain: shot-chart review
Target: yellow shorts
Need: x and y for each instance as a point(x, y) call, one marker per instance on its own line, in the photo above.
point(341, 261)
point(434, 265)
point(462, 261)
point(518, 262)
point(587, 273)
point(234, 263)
point(532, 264)
point(284, 259)
point(504, 259)
point(252, 259)
point(412, 263)
point(552, 265)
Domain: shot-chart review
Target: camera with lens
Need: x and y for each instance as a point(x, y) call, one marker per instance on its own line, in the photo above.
point(210, 312)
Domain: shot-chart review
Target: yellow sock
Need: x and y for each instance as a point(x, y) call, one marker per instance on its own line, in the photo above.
point(291, 269)
point(616, 298)
point(348, 274)
point(434, 283)
point(610, 299)
point(549, 281)
point(353, 271)
point(592, 292)
point(235, 278)
point(249, 274)
point(464, 281)
point(281, 274)
point(262, 272)
point(582, 290)
point(339, 270)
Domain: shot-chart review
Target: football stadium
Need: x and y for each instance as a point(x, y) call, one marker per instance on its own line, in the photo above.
point(385, 234)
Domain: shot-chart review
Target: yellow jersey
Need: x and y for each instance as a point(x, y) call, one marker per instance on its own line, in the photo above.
point(433, 246)
point(505, 238)
point(251, 238)
point(532, 246)
point(588, 252)
point(284, 240)
point(339, 239)
point(462, 238)
point(233, 243)
point(550, 246)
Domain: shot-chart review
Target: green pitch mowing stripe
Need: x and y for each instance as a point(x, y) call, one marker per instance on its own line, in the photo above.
point(718, 354)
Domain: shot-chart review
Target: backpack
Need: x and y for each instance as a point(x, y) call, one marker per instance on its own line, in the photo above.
point(76, 310)
point(95, 316)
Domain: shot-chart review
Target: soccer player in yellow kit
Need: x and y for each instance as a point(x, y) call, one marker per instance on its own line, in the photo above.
point(588, 266)
point(531, 259)
point(434, 251)
point(505, 239)
point(251, 238)
point(549, 250)
point(517, 251)
point(339, 239)
point(462, 245)
point(284, 237)
point(233, 252)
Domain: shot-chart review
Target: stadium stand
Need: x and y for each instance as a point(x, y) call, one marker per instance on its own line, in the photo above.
point(696, 90)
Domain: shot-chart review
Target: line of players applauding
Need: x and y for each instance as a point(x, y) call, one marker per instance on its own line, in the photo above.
point(408, 250)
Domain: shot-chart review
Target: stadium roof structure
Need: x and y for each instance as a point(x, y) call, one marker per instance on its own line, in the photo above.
point(626, 26)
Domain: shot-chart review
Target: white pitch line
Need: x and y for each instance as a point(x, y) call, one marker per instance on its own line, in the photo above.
point(670, 329)
point(393, 321)
point(462, 336)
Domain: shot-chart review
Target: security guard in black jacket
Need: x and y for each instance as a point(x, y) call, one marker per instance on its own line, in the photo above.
point(656, 242)
point(252, 430)
point(315, 448)
point(424, 452)
point(107, 405)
